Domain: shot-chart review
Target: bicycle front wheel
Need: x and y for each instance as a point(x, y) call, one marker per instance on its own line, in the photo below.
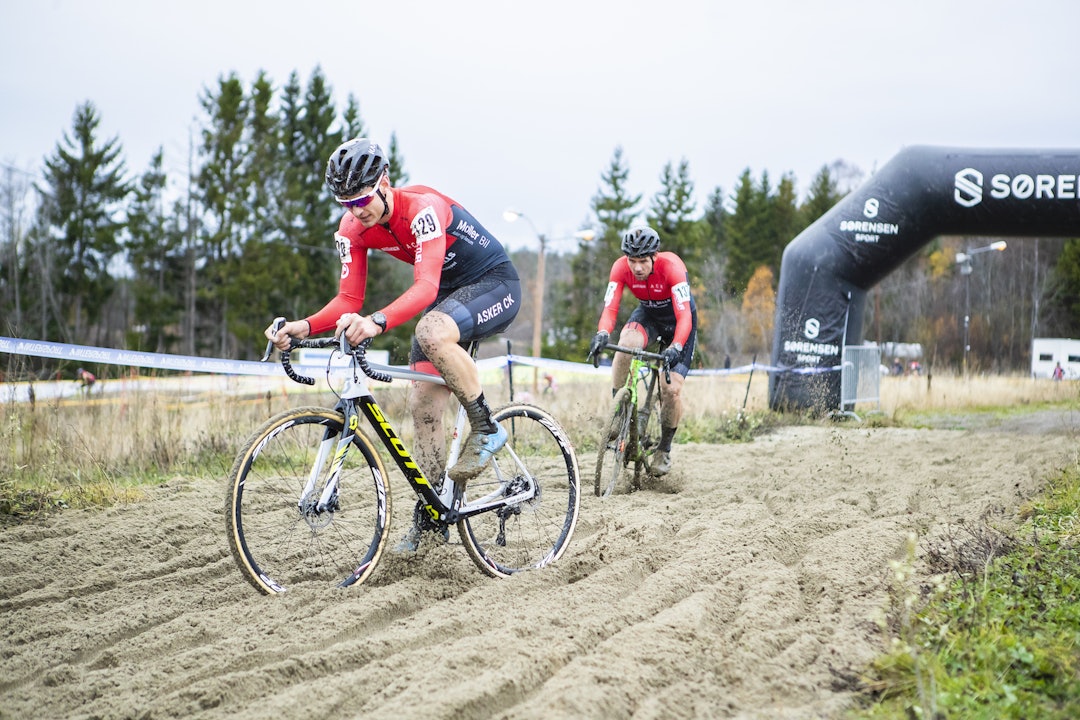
point(538, 463)
point(285, 528)
point(648, 430)
point(611, 459)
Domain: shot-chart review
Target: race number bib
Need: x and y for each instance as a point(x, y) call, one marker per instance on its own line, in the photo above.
point(681, 292)
point(344, 249)
point(425, 225)
point(610, 292)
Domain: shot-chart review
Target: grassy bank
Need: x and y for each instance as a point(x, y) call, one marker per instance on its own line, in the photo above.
point(994, 632)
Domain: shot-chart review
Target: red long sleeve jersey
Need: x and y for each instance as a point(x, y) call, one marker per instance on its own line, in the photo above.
point(445, 244)
point(665, 294)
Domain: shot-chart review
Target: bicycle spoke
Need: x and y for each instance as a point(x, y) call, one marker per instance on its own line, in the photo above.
point(279, 540)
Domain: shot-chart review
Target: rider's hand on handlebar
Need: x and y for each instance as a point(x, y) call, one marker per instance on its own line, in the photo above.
point(671, 354)
point(599, 342)
point(282, 337)
point(356, 327)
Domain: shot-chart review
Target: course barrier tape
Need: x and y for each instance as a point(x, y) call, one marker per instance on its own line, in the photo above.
point(188, 363)
point(136, 358)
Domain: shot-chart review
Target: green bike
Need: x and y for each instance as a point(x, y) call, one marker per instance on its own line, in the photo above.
point(633, 432)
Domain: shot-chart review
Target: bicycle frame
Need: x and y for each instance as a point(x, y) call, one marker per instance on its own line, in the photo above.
point(628, 435)
point(640, 371)
point(641, 364)
point(442, 504)
point(308, 497)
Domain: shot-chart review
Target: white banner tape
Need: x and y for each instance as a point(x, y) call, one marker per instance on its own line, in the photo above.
point(189, 363)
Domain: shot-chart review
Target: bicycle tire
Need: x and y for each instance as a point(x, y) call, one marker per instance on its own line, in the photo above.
point(275, 544)
point(614, 443)
point(648, 429)
point(535, 532)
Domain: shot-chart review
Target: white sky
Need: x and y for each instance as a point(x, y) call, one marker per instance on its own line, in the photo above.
point(522, 104)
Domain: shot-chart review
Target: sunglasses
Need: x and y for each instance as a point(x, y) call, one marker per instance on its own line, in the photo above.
point(359, 202)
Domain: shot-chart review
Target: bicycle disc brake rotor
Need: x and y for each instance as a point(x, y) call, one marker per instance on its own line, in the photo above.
point(315, 519)
point(521, 484)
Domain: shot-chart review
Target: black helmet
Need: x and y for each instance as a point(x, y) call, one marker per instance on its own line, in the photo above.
point(640, 241)
point(355, 165)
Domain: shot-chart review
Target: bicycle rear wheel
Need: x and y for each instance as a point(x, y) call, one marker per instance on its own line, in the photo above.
point(538, 460)
point(279, 538)
point(614, 443)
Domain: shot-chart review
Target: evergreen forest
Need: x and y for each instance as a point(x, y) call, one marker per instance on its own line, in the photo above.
point(95, 253)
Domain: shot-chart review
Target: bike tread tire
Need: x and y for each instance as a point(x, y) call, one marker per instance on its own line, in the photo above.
point(239, 477)
point(543, 519)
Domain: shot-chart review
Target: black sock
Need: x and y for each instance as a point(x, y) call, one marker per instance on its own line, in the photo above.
point(480, 415)
point(666, 436)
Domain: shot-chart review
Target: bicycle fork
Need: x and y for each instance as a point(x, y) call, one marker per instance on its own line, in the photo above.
point(310, 507)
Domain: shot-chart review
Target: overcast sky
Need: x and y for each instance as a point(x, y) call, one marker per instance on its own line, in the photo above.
point(522, 104)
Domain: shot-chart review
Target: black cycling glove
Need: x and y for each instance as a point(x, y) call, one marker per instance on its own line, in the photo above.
point(599, 341)
point(671, 354)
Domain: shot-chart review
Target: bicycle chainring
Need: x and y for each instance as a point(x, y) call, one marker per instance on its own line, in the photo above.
point(423, 521)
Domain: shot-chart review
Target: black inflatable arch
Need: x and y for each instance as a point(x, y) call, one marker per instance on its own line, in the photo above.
point(920, 194)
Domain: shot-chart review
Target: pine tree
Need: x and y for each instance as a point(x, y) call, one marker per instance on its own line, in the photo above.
point(398, 176)
point(353, 126)
point(711, 290)
point(613, 206)
point(743, 231)
point(222, 188)
point(156, 254)
point(14, 194)
point(714, 242)
point(822, 196)
point(77, 235)
point(264, 181)
point(671, 215)
point(309, 214)
point(1065, 282)
point(262, 275)
point(783, 219)
point(591, 267)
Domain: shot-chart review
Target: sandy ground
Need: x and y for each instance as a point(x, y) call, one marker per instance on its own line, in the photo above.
point(749, 586)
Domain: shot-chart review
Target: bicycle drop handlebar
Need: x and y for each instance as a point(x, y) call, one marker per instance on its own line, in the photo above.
point(358, 354)
point(645, 355)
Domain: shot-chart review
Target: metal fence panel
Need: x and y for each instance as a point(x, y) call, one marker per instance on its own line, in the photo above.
point(860, 376)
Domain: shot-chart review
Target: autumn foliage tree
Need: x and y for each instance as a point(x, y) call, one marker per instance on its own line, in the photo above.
point(758, 309)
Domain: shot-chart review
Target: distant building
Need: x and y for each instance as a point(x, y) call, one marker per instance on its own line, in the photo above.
point(1048, 352)
point(904, 351)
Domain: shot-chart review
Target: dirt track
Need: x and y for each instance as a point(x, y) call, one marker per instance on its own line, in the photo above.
point(750, 587)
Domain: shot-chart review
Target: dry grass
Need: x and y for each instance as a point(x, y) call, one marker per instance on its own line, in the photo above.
point(952, 393)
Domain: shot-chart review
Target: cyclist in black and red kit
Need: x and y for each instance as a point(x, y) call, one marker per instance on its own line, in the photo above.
point(667, 314)
point(463, 283)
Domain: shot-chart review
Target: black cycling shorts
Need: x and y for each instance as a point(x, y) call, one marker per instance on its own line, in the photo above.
point(660, 330)
point(485, 308)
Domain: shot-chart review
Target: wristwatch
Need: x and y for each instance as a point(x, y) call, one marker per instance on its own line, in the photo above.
point(379, 319)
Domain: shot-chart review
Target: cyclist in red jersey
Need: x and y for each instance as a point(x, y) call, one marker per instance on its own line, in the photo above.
point(667, 314)
point(463, 283)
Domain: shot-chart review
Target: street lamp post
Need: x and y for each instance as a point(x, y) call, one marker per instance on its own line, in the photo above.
point(963, 259)
point(510, 215)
